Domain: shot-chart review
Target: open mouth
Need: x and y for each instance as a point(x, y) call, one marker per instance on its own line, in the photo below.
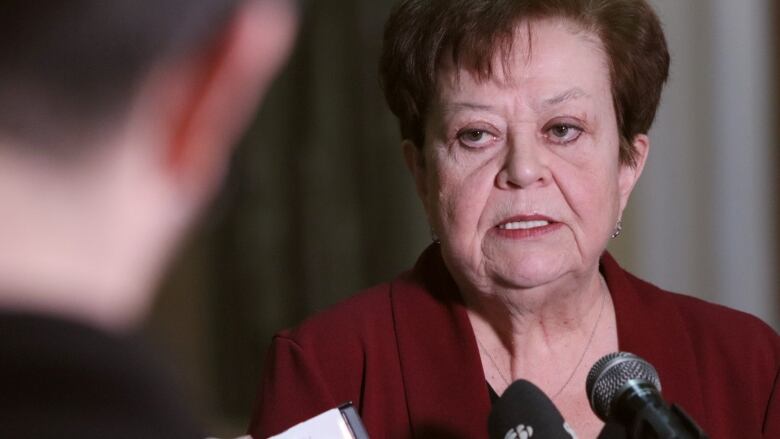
point(526, 226)
point(523, 225)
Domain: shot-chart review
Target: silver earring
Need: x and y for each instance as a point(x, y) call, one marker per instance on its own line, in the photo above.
point(435, 237)
point(618, 229)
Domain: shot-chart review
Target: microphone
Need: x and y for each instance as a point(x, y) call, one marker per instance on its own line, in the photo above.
point(342, 422)
point(624, 388)
point(523, 412)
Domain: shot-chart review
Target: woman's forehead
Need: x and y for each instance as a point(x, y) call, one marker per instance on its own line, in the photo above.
point(551, 61)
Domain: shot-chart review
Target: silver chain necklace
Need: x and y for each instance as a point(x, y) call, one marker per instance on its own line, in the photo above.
point(577, 366)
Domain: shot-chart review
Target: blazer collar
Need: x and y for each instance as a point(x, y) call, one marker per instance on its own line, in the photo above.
point(650, 326)
point(444, 382)
point(442, 373)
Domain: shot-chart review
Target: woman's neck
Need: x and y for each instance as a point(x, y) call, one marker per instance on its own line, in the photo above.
point(550, 337)
point(557, 309)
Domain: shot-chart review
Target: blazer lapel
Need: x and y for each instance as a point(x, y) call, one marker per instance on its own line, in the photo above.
point(442, 373)
point(649, 327)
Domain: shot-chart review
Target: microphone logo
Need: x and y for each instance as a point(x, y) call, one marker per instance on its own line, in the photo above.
point(527, 432)
point(569, 430)
point(520, 432)
point(525, 412)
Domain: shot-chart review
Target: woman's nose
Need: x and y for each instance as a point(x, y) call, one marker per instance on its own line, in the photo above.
point(524, 166)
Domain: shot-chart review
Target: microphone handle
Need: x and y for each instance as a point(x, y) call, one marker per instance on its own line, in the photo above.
point(654, 422)
point(653, 418)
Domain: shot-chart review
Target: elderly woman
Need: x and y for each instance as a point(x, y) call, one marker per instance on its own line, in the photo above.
point(525, 130)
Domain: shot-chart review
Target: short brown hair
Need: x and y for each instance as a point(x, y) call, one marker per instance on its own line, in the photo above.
point(419, 32)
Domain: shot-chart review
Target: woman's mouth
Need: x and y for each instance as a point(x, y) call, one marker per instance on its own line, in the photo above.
point(523, 227)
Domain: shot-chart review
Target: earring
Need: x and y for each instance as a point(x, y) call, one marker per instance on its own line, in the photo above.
point(618, 229)
point(435, 237)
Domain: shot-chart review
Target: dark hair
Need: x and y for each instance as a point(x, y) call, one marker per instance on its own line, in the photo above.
point(69, 68)
point(420, 32)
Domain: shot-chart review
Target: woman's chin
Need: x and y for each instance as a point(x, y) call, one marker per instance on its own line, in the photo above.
point(524, 281)
point(498, 266)
point(529, 272)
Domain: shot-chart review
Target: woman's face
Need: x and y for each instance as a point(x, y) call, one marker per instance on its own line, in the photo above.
point(519, 174)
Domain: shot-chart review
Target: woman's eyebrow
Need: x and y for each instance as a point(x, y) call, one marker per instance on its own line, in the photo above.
point(567, 95)
point(450, 108)
point(570, 94)
point(453, 106)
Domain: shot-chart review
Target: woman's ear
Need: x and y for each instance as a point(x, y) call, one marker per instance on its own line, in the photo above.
point(415, 162)
point(629, 175)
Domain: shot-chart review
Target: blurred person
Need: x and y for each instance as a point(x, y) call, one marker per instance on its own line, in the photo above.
point(524, 126)
point(117, 120)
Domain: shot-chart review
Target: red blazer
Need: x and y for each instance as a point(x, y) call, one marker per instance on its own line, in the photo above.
point(405, 354)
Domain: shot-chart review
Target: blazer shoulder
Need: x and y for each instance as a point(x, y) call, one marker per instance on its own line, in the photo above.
point(710, 323)
point(366, 312)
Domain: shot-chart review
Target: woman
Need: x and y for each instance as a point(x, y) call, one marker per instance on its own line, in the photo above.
point(525, 130)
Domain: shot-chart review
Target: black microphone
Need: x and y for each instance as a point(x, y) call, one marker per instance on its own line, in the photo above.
point(624, 388)
point(524, 411)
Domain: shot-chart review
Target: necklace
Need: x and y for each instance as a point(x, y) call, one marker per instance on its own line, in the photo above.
point(587, 346)
point(577, 366)
point(493, 362)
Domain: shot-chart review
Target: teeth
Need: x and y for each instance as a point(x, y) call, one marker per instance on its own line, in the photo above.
point(521, 225)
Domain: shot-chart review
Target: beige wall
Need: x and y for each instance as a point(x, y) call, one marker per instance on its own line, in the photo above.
point(703, 220)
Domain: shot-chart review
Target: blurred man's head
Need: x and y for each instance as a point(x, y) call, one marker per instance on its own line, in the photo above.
point(117, 120)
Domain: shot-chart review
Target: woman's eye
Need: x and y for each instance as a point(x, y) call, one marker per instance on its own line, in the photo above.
point(563, 133)
point(474, 138)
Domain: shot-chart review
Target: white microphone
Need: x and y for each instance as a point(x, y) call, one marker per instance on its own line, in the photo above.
point(342, 422)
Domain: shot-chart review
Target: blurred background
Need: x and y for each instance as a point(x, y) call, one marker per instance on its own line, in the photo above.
point(319, 205)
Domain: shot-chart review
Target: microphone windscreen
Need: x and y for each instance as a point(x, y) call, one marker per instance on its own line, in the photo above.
point(609, 376)
point(524, 411)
